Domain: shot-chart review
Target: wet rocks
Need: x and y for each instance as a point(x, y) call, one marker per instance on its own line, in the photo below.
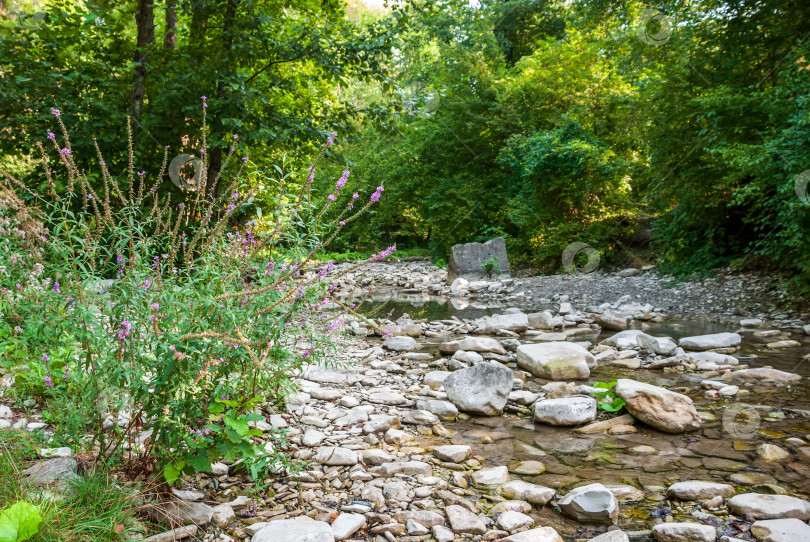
point(295, 530)
point(555, 360)
point(760, 506)
point(481, 389)
point(684, 532)
point(593, 503)
point(565, 411)
point(694, 490)
point(710, 342)
point(772, 452)
point(665, 410)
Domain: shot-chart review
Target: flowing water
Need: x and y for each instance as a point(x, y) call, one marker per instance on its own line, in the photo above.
point(723, 450)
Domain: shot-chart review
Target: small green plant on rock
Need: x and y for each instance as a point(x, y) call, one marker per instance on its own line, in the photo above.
point(606, 399)
point(491, 266)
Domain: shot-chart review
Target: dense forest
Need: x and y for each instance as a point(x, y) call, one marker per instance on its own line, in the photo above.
point(674, 134)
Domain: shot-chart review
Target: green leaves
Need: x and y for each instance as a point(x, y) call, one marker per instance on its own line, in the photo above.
point(19, 522)
point(173, 470)
point(607, 400)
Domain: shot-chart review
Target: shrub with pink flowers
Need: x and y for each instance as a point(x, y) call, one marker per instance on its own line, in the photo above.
point(163, 328)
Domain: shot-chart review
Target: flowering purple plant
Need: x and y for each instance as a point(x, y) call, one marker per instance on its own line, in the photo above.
point(375, 197)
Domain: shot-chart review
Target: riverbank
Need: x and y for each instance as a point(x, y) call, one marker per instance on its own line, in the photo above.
point(488, 429)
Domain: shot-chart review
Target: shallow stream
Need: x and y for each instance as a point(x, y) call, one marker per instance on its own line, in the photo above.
point(723, 450)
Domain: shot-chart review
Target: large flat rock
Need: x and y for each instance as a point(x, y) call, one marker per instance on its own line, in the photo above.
point(761, 506)
point(555, 360)
point(295, 530)
point(658, 407)
point(481, 389)
point(710, 342)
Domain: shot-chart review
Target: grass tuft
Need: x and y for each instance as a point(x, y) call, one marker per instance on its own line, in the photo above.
point(94, 508)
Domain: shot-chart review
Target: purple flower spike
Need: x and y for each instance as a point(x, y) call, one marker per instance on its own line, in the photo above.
point(55, 112)
point(65, 152)
point(51, 136)
point(342, 181)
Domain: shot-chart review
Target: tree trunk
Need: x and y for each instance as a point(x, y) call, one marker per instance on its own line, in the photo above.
point(215, 156)
point(170, 33)
point(145, 21)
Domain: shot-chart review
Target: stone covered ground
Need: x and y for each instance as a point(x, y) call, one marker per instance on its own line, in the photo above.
point(487, 429)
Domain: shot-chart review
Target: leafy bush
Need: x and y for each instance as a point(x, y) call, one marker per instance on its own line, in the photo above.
point(158, 323)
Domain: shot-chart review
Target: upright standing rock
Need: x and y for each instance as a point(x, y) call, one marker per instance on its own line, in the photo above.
point(467, 261)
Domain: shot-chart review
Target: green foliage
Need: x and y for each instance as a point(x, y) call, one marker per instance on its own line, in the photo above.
point(172, 319)
point(19, 522)
point(271, 69)
point(607, 399)
point(97, 506)
point(491, 266)
point(557, 124)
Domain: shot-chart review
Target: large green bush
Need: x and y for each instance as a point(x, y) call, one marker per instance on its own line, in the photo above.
point(162, 328)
